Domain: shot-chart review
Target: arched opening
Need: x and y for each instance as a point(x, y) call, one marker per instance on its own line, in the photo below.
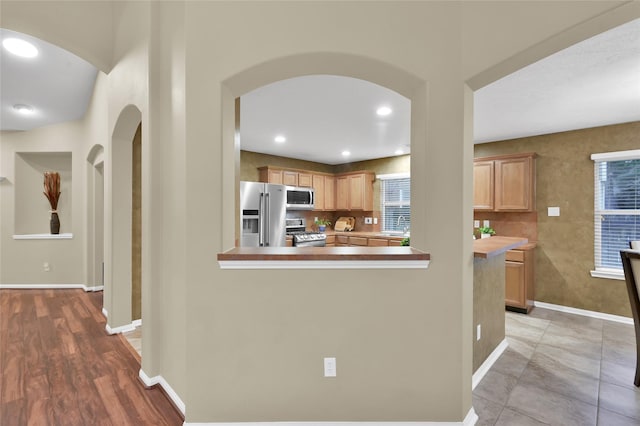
point(121, 262)
point(320, 63)
point(95, 218)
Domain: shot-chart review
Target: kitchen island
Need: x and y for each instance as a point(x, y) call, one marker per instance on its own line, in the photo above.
point(488, 297)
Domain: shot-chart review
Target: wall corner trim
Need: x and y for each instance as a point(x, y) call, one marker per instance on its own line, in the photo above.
point(159, 380)
point(121, 329)
point(488, 363)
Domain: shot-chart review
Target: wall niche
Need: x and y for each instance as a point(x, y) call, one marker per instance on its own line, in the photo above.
point(31, 206)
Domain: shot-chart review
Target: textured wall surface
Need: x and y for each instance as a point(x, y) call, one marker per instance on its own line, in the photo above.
point(565, 251)
point(488, 306)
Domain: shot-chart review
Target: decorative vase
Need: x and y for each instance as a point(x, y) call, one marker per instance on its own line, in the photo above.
point(54, 223)
point(321, 228)
point(485, 236)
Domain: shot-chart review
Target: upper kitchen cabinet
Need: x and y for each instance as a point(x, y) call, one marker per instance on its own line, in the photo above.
point(320, 192)
point(329, 193)
point(504, 183)
point(269, 174)
point(354, 191)
point(483, 182)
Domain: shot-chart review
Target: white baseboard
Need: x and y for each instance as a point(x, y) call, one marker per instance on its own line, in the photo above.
point(159, 380)
point(584, 312)
point(122, 329)
point(50, 287)
point(136, 323)
point(105, 313)
point(469, 420)
point(488, 363)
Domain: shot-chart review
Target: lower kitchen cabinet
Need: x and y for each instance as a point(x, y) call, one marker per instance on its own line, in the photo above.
point(519, 280)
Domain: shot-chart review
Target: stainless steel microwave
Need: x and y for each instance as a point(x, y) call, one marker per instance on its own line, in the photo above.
point(300, 198)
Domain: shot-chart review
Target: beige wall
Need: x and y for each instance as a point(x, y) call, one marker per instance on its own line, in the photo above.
point(248, 345)
point(565, 251)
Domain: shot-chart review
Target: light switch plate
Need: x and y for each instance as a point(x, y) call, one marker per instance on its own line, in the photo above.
point(368, 220)
point(485, 223)
point(476, 224)
point(553, 211)
point(330, 367)
point(478, 332)
point(375, 220)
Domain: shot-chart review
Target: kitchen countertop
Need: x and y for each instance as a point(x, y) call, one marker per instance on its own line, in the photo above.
point(364, 234)
point(493, 246)
point(323, 257)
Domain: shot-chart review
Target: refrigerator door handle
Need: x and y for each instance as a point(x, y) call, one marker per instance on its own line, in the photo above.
point(261, 220)
point(267, 220)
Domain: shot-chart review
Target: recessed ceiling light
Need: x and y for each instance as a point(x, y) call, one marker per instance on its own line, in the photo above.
point(383, 111)
point(399, 152)
point(280, 139)
point(23, 109)
point(346, 153)
point(20, 47)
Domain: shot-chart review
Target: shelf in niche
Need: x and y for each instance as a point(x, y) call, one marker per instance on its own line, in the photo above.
point(43, 237)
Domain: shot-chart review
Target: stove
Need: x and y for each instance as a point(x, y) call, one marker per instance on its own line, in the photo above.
point(296, 227)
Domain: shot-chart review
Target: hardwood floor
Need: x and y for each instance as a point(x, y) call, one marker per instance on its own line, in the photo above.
point(58, 366)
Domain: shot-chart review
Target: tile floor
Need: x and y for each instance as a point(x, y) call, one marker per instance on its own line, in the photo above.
point(561, 369)
point(135, 339)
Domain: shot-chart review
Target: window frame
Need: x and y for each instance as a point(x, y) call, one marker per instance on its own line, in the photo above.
point(387, 177)
point(600, 271)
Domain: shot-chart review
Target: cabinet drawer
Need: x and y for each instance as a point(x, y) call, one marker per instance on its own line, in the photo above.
point(342, 239)
point(395, 243)
point(515, 256)
point(331, 239)
point(378, 242)
point(358, 241)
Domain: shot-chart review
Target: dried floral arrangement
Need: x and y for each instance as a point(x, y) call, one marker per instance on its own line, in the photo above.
point(52, 189)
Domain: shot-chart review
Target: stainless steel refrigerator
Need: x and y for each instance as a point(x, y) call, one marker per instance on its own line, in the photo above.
point(262, 214)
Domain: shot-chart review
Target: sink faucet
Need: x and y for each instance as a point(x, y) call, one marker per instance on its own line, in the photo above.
point(405, 228)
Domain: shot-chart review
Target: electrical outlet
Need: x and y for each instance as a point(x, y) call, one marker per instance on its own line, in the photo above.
point(46, 266)
point(368, 220)
point(315, 219)
point(476, 224)
point(485, 223)
point(330, 367)
point(478, 331)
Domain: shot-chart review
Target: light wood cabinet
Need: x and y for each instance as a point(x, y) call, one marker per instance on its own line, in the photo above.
point(342, 193)
point(271, 176)
point(331, 241)
point(319, 190)
point(305, 180)
point(519, 280)
point(378, 242)
point(483, 182)
point(395, 243)
point(329, 193)
point(289, 178)
point(354, 191)
point(505, 183)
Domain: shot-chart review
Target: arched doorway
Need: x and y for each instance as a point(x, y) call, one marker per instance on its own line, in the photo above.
point(122, 260)
point(95, 218)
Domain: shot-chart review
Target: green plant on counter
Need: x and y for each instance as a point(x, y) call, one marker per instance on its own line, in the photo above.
point(323, 222)
point(405, 241)
point(486, 230)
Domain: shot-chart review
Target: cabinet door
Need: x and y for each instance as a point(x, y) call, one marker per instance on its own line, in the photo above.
point(275, 176)
point(318, 186)
point(483, 182)
point(329, 193)
point(514, 284)
point(356, 192)
point(514, 184)
point(342, 193)
point(378, 242)
point(305, 180)
point(290, 178)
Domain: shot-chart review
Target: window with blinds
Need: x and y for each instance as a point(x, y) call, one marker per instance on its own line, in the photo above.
point(617, 207)
point(395, 199)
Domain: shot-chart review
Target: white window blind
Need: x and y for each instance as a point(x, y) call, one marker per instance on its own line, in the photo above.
point(617, 207)
point(395, 199)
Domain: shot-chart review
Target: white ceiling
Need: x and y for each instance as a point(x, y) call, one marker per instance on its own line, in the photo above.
point(593, 83)
point(56, 84)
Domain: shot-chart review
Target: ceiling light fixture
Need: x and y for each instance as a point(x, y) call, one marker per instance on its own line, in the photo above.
point(346, 153)
point(399, 152)
point(23, 109)
point(20, 47)
point(383, 111)
point(280, 139)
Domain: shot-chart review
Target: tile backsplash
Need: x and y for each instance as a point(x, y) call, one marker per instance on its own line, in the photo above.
point(333, 216)
point(511, 224)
